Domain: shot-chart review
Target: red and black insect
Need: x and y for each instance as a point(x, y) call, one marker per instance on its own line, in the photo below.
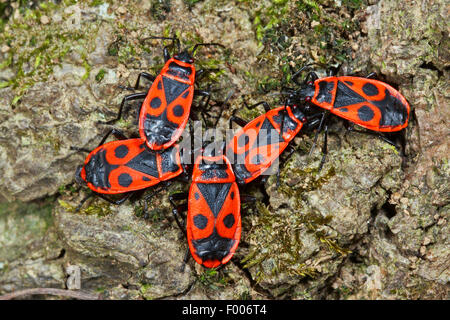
point(127, 165)
point(213, 223)
point(367, 102)
point(254, 148)
point(167, 104)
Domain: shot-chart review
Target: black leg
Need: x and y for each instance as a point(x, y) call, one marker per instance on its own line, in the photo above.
point(372, 75)
point(240, 122)
point(116, 202)
point(263, 103)
point(160, 188)
point(165, 50)
point(187, 255)
point(83, 201)
point(322, 121)
point(378, 135)
point(201, 93)
point(177, 196)
point(116, 133)
point(324, 148)
point(166, 54)
point(131, 97)
point(199, 74)
point(245, 198)
point(144, 75)
point(80, 149)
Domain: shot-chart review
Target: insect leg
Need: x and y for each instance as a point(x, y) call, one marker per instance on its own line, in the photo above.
point(116, 133)
point(80, 149)
point(177, 196)
point(322, 121)
point(324, 148)
point(179, 209)
point(382, 137)
point(240, 122)
point(245, 198)
point(116, 202)
point(263, 103)
point(144, 75)
point(199, 74)
point(83, 201)
point(177, 212)
point(131, 97)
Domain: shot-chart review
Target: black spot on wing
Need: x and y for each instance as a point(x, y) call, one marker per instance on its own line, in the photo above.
point(125, 180)
point(178, 110)
point(155, 103)
point(370, 89)
point(215, 195)
point(365, 113)
point(229, 220)
point(172, 89)
point(121, 151)
point(200, 221)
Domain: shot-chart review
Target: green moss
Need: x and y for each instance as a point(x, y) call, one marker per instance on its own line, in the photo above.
point(95, 3)
point(100, 75)
point(144, 289)
point(99, 209)
point(269, 237)
point(48, 45)
point(212, 278)
point(302, 175)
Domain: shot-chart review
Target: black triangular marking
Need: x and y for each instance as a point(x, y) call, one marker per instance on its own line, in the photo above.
point(346, 97)
point(267, 135)
point(145, 162)
point(173, 88)
point(215, 195)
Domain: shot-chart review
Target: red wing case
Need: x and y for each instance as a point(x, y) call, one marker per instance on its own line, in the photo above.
point(127, 165)
point(214, 220)
point(255, 147)
point(165, 111)
point(369, 103)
